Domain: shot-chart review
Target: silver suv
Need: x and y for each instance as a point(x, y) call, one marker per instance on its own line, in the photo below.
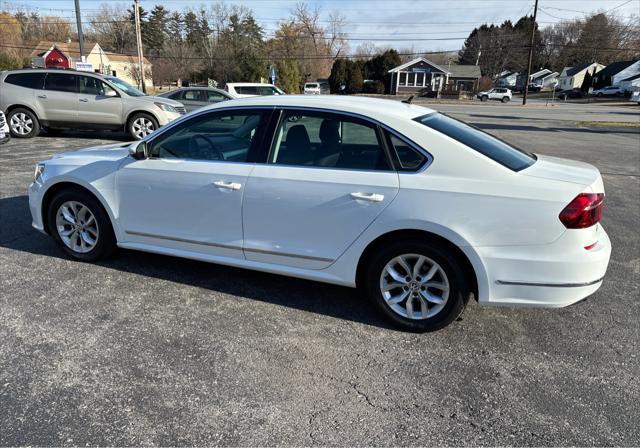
point(67, 99)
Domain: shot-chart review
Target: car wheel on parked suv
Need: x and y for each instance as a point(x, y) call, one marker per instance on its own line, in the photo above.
point(505, 99)
point(140, 125)
point(484, 98)
point(23, 123)
point(417, 285)
point(79, 223)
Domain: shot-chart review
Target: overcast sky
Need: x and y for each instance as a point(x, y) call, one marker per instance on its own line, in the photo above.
point(424, 25)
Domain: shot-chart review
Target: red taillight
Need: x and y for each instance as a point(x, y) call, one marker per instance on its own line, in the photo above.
point(584, 211)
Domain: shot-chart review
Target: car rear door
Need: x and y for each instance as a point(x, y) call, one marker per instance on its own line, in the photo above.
point(98, 104)
point(187, 196)
point(326, 179)
point(59, 99)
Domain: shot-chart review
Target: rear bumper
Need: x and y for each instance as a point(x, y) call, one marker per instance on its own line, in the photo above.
point(553, 275)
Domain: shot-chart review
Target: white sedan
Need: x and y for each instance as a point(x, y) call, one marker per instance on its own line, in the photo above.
point(418, 209)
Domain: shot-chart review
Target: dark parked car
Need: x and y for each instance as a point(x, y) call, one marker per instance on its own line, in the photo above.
point(196, 97)
point(571, 93)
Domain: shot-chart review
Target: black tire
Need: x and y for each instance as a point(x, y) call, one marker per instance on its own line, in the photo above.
point(459, 289)
point(106, 242)
point(35, 130)
point(141, 115)
point(600, 94)
point(505, 99)
point(484, 98)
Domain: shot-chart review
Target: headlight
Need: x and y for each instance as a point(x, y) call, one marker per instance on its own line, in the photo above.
point(166, 107)
point(38, 172)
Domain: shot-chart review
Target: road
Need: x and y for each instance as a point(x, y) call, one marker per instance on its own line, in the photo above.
point(152, 350)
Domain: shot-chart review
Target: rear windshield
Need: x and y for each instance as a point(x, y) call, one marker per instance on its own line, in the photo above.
point(488, 145)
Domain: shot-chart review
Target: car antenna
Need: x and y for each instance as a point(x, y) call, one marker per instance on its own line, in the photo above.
point(408, 100)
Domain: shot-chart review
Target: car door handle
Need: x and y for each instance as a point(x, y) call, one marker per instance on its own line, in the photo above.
point(227, 185)
point(84, 100)
point(373, 197)
point(42, 96)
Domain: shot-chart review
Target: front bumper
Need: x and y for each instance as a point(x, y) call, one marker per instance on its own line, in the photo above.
point(36, 193)
point(553, 275)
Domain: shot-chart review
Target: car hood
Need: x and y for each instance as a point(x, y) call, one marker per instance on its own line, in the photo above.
point(161, 100)
point(113, 151)
point(555, 168)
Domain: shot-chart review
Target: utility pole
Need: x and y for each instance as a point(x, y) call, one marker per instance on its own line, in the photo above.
point(139, 41)
point(533, 35)
point(80, 37)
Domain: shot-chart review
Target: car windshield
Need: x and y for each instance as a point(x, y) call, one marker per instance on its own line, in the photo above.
point(125, 87)
point(478, 140)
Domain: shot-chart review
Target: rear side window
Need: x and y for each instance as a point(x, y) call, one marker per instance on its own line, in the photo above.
point(327, 140)
point(28, 80)
point(192, 95)
point(478, 140)
point(408, 158)
point(61, 82)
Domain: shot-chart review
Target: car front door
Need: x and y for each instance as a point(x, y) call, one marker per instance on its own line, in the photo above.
point(59, 99)
point(98, 104)
point(192, 99)
point(326, 179)
point(187, 195)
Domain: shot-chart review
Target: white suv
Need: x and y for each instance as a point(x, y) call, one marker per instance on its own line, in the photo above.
point(499, 93)
point(248, 89)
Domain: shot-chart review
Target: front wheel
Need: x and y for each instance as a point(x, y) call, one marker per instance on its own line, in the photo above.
point(417, 286)
point(23, 123)
point(141, 125)
point(80, 225)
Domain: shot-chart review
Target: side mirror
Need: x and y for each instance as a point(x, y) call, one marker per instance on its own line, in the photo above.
point(111, 93)
point(138, 150)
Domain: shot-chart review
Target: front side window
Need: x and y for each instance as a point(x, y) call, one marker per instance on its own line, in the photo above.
point(125, 87)
point(192, 95)
point(61, 82)
point(478, 140)
point(33, 80)
point(221, 136)
point(247, 90)
point(328, 140)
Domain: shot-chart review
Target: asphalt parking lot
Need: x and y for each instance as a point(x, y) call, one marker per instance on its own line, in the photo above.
point(151, 350)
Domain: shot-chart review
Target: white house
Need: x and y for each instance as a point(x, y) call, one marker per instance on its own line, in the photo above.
point(631, 70)
point(573, 77)
point(67, 55)
point(422, 74)
point(631, 84)
point(613, 73)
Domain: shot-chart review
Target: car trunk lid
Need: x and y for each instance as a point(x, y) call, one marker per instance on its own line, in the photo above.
point(555, 168)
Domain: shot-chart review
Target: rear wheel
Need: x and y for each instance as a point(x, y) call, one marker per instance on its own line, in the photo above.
point(417, 286)
point(141, 125)
point(80, 225)
point(484, 98)
point(23, 123)
point(505, 99)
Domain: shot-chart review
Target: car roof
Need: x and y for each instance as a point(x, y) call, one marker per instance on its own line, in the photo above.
point(249, 84)
point(370, 107)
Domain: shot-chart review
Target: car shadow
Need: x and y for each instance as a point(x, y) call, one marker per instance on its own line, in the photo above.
point(339, 302)
point(98, 135)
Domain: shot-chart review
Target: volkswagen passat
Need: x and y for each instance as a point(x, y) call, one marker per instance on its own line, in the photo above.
point(417, 209)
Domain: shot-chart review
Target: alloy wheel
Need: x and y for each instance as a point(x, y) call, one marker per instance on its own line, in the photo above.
point(77, 227)
point(142, 127)
point(21, 123)
point(414, 286)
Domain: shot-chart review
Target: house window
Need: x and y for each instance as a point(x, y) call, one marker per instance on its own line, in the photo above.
point(411, 79)
point(403, 79)
point(419, 79)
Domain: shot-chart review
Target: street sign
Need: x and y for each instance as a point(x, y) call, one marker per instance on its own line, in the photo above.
point(84, 66)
